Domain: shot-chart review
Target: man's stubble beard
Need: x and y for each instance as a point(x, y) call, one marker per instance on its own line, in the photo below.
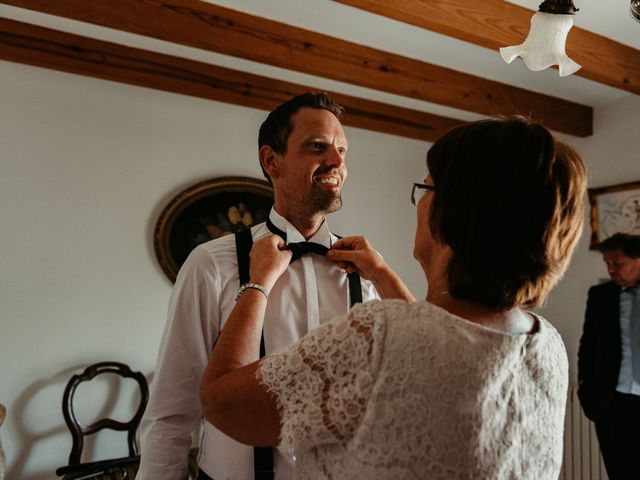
point(317, 204)
point(323, 201)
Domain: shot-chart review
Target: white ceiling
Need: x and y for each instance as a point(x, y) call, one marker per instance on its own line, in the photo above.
point(328, 17)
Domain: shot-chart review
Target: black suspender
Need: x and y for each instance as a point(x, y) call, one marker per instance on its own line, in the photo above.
point(263, 457)
point(355, 288)
point(244, 242)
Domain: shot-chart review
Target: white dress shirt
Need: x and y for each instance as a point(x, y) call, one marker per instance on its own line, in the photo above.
point(626, 382)
point(312, 291)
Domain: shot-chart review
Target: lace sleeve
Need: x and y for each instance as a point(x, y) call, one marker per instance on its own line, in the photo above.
point(322, 382)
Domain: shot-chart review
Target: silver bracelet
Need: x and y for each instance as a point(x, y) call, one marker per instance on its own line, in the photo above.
point(256, 286)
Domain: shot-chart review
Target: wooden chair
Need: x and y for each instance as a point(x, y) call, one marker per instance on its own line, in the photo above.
point(3, 413)
point(112, 469)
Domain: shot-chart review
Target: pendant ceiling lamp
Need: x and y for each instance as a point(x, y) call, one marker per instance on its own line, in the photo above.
point(545, 43)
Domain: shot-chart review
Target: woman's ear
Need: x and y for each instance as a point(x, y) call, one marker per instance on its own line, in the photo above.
point(269, 161)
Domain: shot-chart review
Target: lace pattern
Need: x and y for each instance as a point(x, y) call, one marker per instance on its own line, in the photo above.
point(334, 366)
point(396, 390)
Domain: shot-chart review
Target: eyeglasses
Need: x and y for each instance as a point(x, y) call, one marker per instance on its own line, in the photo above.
point(422, 188)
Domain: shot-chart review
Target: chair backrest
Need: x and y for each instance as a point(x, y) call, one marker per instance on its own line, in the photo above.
point(3, 413)
point(79, 431)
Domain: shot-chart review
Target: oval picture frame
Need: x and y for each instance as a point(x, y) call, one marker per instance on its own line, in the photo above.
point(205, 211)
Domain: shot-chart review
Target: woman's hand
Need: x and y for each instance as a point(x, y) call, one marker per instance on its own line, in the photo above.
point(269, 260)
point(355, 254)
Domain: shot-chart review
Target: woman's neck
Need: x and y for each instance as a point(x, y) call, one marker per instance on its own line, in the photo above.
point(512, 321)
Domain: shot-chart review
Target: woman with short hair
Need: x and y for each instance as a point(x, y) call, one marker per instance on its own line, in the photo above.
point(465, 384)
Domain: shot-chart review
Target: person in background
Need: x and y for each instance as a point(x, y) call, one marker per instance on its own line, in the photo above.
point(302, 151)
point(609, 357)
point(465, 384)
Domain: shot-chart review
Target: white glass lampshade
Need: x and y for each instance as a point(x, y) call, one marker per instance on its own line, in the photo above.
point(544, 46)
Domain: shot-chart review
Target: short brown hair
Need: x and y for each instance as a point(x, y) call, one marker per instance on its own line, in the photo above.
point(277, 127)
point(625, 242)
point(509, 203)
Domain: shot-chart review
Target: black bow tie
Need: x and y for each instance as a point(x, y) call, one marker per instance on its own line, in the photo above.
point(300, 248)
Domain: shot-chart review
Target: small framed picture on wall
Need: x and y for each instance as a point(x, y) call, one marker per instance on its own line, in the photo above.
point(614, 209)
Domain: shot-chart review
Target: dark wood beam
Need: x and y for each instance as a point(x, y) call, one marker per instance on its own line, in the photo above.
point(210, 27)
point(42, 47)
point(496, 23)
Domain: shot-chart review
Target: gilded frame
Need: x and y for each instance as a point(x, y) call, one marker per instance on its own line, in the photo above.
point(614, 209)
point(205, 211)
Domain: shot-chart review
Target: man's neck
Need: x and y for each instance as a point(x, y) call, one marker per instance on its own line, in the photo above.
point(307, 225)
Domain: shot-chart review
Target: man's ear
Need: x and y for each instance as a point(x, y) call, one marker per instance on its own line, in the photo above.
point(269, 160)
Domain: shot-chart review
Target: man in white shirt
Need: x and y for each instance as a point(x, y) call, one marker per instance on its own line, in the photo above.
point(302, 151)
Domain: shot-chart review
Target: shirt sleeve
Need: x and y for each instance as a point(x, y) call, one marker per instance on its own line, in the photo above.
point(369, 292)
point(174, 408)
point(323, 382)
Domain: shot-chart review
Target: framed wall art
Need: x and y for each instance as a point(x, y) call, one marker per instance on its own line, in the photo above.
point(614, 209)
point(206, 211)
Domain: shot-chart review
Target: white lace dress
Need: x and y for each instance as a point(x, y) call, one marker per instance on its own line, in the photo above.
point(398, 390)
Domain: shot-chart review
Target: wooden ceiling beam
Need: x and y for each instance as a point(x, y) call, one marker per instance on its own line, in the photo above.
point(43, 47)
point(496, 23)
point(210, 27)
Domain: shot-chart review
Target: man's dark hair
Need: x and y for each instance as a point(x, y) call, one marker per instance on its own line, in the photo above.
point(275, 130)
point(629, 244)
point(509, 203)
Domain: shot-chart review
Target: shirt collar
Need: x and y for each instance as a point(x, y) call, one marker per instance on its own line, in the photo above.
point(322, 235)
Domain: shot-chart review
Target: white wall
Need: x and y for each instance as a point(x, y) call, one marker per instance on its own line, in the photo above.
point(86, 166)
